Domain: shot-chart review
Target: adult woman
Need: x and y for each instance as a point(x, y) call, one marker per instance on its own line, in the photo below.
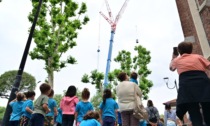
point(153, 114)
point(194, 85)
point(126, 99)
point(169, 116)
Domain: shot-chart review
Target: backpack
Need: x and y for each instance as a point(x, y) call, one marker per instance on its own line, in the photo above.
point(152, 115)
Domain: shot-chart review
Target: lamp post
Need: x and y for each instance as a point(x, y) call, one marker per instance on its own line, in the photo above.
point(166, 79)
point(21, 68)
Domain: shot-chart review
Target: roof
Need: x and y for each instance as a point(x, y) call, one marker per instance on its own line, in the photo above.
point(171, 102)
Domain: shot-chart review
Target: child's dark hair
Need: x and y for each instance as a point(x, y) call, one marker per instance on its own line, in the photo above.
point(149, 103)
point(29, 94)
point(107, 94)
point(122, 76)
point(134, 75)
point(91, 115)
point(20, 96)
point(44, 88)
point(51, 93)
point(185, 47)
point(85, 94)
point(71, 91)
point(167, 106)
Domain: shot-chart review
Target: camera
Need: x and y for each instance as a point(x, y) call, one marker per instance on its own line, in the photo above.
point(175, 51)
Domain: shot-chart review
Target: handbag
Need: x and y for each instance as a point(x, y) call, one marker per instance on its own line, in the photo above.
point(139, 111)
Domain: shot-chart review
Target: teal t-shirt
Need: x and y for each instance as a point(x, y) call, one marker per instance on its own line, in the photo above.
point(51, 105)
point(109, 108)
point(90, 122)
point(82, 108)
point(27, 103)
point(42, 99)
point(16, 110)
point(59, 116)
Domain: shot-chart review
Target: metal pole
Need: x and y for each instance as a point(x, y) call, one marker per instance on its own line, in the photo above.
point(21, 68)
point(176, 86)
point(109, 59)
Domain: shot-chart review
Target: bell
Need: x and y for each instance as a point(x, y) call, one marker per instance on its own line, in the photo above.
point(137, 41)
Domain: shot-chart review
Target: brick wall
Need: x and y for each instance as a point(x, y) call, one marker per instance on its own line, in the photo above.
point(187, 23)
point(205, 17)
point(200, 1)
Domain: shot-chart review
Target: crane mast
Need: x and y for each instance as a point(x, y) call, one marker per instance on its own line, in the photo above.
point(113, 24)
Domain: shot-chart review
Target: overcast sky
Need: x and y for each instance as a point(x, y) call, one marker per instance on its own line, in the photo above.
point(158, 30)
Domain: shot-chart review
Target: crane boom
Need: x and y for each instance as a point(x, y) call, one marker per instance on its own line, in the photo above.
point(106, 18)
point(121, 11)
point(109, 10)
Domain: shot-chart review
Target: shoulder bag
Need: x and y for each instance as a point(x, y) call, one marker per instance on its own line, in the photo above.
point(139, 111)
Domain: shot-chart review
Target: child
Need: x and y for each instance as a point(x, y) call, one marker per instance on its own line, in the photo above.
point(16, 105)
point(52, 105)
point(108, 109)
point(83, 106)
point(133, 77)
point(119, 121)
point(59, 118)
point(41, 106)
point(68, 105)
point(27, 108)
point(91, 119)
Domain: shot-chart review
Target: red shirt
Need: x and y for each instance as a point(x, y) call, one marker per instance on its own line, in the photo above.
point(188, 62)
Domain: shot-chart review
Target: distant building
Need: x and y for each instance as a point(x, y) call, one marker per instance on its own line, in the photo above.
point(195, 20)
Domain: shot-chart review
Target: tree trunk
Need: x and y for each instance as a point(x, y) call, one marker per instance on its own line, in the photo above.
point(51, 79)
point(50, 73)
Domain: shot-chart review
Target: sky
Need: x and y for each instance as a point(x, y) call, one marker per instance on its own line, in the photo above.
point(155, 23)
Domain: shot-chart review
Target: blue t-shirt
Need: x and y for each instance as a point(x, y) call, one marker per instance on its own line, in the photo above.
point(16, 110)
point(82, 108)
point(109, 108)
point(59, 116)
point(90, 122)
point(28, 103)
point(134, 81)
point(51, 105)
point(143, 123)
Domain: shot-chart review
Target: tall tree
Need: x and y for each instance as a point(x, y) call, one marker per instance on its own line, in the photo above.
point(127, 63)
point(95, 78)
point(138, 63)
point(2, 110)
point(7, 79)
point(56, 30)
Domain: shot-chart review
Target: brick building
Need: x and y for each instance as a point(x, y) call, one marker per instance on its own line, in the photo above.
point(195, 20)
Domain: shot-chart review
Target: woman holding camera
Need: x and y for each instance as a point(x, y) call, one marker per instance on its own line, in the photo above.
point(194, 85)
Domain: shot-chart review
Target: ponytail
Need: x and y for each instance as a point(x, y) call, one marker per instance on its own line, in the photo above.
point(107, 94)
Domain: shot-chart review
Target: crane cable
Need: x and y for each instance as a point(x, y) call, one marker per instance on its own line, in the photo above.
point(99, 38)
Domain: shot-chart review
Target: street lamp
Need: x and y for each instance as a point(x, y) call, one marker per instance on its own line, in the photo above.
point(166, 79)
point(16, 84)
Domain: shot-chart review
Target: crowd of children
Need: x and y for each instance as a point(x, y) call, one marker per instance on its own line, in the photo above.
point(44, 111)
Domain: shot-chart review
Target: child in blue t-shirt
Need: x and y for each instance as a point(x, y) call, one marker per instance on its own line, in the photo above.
point(83, 106)
point(52, 105)
point(16, 105)
point(91, 119)
point(133, 77)
point(59, 117)
point(108, 109)
point(119, 119)
point(27, 109)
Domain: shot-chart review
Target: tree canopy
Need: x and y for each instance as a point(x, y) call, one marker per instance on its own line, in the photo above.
point(137, 63)
point(56, 30)
point(7, 79)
